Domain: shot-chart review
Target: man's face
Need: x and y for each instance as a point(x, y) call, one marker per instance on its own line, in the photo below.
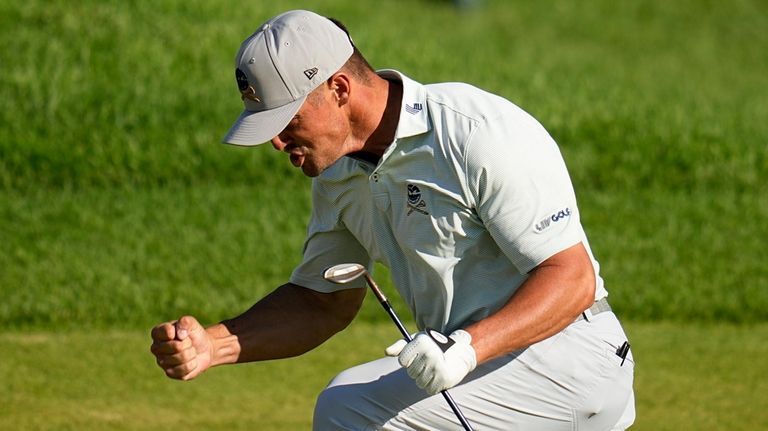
point(316, 136)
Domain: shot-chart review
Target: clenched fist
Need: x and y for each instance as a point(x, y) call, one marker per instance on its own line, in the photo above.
point(182, 348)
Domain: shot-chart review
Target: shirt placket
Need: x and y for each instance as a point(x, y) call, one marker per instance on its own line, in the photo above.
point(379, 190)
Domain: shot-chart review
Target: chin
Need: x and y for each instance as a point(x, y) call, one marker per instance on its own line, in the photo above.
point(311, 171)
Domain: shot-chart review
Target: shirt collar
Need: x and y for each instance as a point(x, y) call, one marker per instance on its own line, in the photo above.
point(414, 119)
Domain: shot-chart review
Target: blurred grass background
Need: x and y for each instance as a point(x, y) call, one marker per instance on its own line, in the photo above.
point(119, 209)
point(118, 203)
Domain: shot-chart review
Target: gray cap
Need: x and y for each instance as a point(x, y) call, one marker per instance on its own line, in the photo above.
point(278, 66)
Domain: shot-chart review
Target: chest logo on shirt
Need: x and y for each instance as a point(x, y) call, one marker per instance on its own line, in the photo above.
point(415, 202)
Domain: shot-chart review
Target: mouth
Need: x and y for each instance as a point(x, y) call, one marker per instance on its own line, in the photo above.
point(297, 159)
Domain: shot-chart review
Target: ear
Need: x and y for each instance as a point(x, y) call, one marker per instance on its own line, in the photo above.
point(341, 86)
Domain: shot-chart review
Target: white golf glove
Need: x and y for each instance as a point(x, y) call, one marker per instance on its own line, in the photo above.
point(434, 361)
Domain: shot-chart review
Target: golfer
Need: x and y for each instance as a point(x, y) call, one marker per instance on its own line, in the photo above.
point(467, 200)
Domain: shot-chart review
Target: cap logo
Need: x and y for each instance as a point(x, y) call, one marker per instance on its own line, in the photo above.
point(310, 73)
point(246, 90)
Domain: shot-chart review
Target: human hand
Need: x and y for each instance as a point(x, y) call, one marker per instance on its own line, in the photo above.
point(434, 361)
point(182, 348)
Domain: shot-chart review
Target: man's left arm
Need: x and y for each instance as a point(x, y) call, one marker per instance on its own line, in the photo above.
point(555, 293)
point(523, 194)
point(553, 296)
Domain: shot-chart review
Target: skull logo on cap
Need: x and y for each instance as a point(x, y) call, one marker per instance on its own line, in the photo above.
point(246, 90)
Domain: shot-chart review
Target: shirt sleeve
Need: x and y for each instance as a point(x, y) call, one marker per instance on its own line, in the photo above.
point(521, 188)
point(328, 243)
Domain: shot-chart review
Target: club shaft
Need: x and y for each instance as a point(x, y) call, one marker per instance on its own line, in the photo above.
point(456, 411)
point(397, 321)
point(388, 308)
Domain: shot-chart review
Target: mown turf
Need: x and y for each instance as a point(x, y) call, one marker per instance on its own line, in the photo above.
point(700, 377)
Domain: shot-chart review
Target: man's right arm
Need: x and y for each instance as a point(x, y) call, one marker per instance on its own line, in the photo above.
point(288, 322)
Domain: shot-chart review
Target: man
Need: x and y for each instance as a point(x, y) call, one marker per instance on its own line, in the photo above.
point(467, 200)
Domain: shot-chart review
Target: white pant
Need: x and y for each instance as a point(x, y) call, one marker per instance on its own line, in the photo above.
point(570, 381)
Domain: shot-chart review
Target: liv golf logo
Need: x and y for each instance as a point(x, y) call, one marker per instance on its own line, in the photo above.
point(544, 224)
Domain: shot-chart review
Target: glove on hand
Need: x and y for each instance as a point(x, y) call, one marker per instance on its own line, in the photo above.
point(434, 361)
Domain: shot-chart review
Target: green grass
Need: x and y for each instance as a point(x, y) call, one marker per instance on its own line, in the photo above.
point(687, 377)
point(126, 257)
point(119, 209)
point(118, 204)
point(652, 95)
point(117, 257)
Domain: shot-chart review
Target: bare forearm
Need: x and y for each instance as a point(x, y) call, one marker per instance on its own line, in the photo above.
point(552, 297)
point(288, 322)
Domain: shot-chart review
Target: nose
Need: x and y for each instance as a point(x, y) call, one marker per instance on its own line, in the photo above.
point(280, 142)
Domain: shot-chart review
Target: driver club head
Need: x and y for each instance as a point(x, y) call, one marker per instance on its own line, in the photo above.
point(344, 273)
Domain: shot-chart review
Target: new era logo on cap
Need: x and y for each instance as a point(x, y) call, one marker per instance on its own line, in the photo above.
point(310, 73)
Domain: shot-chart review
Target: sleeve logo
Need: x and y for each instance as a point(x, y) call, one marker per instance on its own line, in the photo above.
point(547, 222)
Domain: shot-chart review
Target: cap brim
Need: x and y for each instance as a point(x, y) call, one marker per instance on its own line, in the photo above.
point(254, 128)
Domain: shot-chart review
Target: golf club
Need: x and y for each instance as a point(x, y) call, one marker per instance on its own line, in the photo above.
point(346, 272)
